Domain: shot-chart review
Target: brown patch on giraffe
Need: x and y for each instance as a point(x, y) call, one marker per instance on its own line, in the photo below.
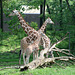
point(34, 38)
point(24, 20)
point(21, 23)
point(19, 18)
point(23, 28)
point(27, 28)
point(30, 36)
point(41, 29)
point(30, 32)
point(35, 33)
point(28, 40)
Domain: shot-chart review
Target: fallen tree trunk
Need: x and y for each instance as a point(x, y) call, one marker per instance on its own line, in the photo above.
point(41, 59)
point(34, 64)
point(13, 67)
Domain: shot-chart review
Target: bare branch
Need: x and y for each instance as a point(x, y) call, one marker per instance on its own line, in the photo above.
point(53, 46)
point(13, 67)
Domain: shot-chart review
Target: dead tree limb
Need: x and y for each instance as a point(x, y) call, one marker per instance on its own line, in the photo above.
point(41, 59)
point(38, 62)
point(59, 65)
point(53, 46)
point(12, 67)
point(64, 57)
point(63, 51)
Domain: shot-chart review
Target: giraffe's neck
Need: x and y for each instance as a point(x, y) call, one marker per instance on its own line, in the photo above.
point(43, 27)
point(24, 25)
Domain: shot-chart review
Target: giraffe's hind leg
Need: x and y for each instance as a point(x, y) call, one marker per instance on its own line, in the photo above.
point(20, 57)
point(33, 55)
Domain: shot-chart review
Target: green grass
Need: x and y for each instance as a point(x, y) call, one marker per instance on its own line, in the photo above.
point(41, 71)
point(8, 58)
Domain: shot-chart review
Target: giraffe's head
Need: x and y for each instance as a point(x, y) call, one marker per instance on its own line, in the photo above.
point(14, 12)
point(48, 20)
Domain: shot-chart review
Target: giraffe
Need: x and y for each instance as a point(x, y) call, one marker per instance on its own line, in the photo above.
point(34, 47)
point(48, 20)
point(46, 44)
point(46, 41)
point(32, 33)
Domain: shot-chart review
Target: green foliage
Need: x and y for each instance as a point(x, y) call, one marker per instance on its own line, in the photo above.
point(10, 42)
point(63, 45)
point(34, 25)
point(52, 31)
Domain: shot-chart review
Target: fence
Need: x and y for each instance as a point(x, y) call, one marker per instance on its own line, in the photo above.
point(28, 18)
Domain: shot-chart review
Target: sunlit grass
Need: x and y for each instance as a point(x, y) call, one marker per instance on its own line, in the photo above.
point(41, 71)
point(8, 58)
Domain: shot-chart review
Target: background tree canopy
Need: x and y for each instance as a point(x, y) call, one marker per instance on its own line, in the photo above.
point(62, 12)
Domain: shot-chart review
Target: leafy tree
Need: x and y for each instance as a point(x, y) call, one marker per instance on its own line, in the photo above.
point(62, 12)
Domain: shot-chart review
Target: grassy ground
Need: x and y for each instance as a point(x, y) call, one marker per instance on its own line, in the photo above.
point(8, 58)
point(41, 71)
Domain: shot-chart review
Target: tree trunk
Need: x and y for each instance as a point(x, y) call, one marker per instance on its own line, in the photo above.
point(60, 14)
point(44, 13)
point(1, 15)
point(48, 9)
point(41, 22)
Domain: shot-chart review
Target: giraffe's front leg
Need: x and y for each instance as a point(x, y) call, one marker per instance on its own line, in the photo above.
point(33, 55)
point(24, 59)
point(36, 54)
point(27, 59)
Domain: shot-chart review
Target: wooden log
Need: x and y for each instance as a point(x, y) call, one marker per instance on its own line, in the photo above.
point(41, 59)
point(38, 62)
point(13, 67)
